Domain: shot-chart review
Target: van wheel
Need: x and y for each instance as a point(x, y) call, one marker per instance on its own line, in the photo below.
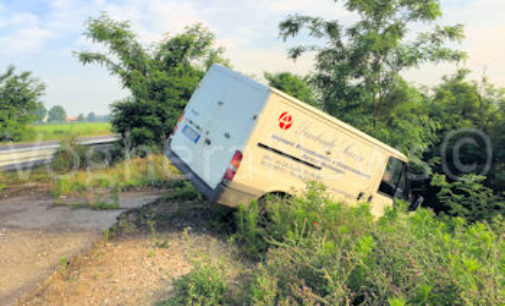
point(263, 218)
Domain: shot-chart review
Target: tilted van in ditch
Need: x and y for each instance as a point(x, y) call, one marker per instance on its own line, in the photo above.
point(239, 140)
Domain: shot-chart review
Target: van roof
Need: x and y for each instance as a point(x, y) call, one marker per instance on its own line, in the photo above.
point(316, 111)
point(342, 124)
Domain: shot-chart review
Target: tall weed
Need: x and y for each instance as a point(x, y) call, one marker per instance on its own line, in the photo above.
point(3, 181)
point(71, 155)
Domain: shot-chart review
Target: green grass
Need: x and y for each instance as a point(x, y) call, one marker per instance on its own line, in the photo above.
point(44, 132)
point(152, 171)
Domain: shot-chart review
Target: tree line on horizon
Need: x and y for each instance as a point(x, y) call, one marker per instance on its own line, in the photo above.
point(21, 106)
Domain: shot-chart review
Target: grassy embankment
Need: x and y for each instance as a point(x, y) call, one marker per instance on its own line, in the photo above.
point(313, 251)
point(100, 188)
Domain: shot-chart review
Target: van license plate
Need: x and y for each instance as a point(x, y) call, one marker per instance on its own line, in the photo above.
point(190, 133)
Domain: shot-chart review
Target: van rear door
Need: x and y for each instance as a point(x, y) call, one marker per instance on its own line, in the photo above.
point(217, 121)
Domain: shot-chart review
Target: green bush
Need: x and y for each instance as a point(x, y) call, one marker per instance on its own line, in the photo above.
point(322, 252)
point(205, 285)
point(469, 198)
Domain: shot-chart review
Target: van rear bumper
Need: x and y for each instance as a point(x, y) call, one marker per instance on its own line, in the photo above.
point(228, 194)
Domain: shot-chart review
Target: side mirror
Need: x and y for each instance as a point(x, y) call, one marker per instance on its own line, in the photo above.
point(416, 203)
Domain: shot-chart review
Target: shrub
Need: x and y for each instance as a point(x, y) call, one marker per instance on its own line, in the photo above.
point(469, 198)
point(205, 285)
point(322, 252)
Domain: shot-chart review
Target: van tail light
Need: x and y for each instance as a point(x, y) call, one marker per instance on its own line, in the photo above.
point(233, 167)
point(177, 124)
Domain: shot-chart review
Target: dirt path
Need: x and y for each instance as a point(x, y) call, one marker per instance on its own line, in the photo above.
point(28, 257)
point(150, 248)
point(36, 236)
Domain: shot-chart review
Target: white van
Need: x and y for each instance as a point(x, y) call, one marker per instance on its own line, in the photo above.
point(239, 140)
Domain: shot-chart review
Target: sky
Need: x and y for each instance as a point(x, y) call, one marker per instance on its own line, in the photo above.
point(40, 36)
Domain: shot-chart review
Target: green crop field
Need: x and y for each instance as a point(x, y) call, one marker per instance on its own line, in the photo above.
point(45, 132)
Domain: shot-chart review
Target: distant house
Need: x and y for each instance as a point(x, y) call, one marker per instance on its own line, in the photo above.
point(71, 119)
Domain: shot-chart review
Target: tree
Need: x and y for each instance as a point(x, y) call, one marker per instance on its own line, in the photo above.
point(91, 117)
point(293, 85)
point(469, 110)
point(357, 70)
point(40, 112)
point(57, 114)
point(161, 78)
point(80, 118)
point(19, 100)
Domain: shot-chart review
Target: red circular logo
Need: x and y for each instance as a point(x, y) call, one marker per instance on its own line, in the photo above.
point(285, 121)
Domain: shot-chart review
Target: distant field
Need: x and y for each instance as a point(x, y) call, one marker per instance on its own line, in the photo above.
point(45, 132)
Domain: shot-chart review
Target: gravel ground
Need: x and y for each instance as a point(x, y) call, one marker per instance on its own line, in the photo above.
point(35, 236)
point(27, 257)
point(147, 249)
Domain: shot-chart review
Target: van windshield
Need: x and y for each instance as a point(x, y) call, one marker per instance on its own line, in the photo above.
point(394, 181)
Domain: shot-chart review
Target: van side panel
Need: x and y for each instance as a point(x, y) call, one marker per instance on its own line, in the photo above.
point(218, 120)
point(291, 145)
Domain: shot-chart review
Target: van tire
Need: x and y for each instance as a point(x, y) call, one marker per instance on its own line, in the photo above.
point(263, 218)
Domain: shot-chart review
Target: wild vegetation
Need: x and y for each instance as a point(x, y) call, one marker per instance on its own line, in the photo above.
point(315, 251)
point(95, 179)
point(153, 170)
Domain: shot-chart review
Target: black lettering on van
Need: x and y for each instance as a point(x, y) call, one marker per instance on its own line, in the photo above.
point(294, 158)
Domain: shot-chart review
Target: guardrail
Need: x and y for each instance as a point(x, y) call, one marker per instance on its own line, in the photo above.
point(23, 156)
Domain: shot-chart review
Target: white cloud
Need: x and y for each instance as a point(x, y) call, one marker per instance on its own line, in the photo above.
point(24, 20)
point(26, 40)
